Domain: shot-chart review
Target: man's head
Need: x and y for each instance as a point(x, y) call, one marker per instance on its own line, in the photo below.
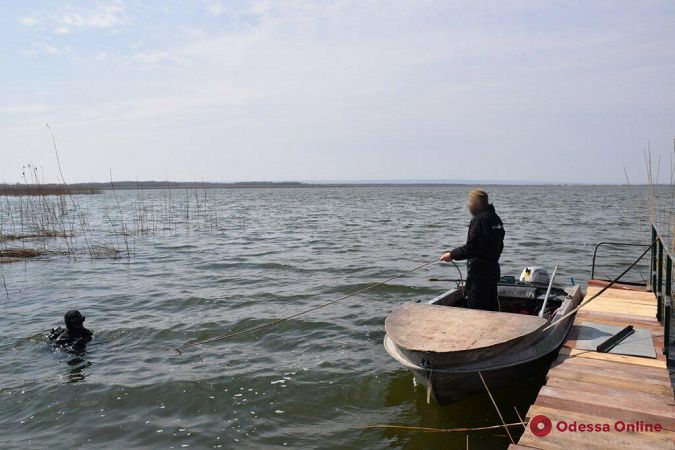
point(477, 202)
point(74, 320)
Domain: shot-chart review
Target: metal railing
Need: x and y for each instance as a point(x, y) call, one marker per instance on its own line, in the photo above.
point(614, 244)
point(660, 277)
point(662, 285)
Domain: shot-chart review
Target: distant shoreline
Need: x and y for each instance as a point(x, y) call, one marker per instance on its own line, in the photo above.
point(19, 189)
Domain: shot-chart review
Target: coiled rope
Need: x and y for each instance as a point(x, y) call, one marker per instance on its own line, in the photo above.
point(283, 319)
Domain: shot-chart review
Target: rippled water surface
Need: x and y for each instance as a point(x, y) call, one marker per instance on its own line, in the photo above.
point(313, 382)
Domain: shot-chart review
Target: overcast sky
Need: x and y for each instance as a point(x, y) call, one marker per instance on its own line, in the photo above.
point(337, 90)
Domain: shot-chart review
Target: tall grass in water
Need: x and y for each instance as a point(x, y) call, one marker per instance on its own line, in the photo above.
point(167, 212)
point(37, 225)
point(46, 220)
point(661, 196)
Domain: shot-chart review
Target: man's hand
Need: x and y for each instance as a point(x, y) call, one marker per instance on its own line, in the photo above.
point(447, 257)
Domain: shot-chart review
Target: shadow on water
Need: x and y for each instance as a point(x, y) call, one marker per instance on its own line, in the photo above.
point(474, 412)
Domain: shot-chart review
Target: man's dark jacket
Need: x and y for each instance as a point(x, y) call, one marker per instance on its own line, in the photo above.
point(484, 243)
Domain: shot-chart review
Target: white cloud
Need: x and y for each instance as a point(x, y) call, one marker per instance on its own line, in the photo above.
point(105, 16)
point(324, 79)
point(28, 21)
point(215, 8)
point(42, 48)
point(28, 108)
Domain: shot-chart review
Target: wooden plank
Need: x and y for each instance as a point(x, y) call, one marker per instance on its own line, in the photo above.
point(607, 391)
point(622, 301)
point(620, 293)
point(596, 364)
point(617, 286)
point(636, 360)
point(636, 310)
point(563, 378)
point(639, 376)
point(620, 406)
point(631, 319)
point(618, 304)
point(595, 440)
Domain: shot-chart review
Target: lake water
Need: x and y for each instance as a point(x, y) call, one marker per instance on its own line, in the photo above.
point(248, 256)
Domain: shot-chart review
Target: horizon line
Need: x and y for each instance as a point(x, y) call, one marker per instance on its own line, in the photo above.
point(327, 183)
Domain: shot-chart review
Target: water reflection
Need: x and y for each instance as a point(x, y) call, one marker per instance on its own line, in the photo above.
point(77, 372)
point(413, 411)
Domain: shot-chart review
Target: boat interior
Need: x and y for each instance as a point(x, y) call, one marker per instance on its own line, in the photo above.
point(514, 297)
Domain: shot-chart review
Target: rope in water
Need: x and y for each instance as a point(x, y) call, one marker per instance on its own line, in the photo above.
point(283, 319)
point(609, 285)
point(494, 403)
point(372, 286)
point(443, 430)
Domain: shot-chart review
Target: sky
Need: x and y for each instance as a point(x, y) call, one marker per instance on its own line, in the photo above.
point(337, 90)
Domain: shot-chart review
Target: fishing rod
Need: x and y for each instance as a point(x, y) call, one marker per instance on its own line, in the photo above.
point(283, 319)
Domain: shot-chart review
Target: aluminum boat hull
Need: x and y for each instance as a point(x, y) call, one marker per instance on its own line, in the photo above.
point(449, 379)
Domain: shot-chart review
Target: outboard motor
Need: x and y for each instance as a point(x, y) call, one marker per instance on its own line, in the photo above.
point(536, 275)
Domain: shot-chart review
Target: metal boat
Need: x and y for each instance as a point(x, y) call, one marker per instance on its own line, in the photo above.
point(448, 346)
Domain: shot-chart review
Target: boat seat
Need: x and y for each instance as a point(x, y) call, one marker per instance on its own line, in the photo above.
point(435, 328)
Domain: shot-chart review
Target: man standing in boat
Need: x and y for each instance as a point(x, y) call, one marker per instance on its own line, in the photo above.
point(483, 248)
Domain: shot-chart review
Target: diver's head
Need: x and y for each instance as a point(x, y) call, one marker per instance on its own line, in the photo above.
point(74, 320)
point(477, 202)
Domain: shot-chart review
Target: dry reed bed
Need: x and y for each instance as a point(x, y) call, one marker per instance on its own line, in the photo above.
point(20, 189)
point(40, 225)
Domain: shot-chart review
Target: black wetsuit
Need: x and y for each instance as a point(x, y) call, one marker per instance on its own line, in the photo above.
point(70, 338)
point(483, 248)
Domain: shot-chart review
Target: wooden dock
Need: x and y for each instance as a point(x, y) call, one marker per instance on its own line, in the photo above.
point(588, 387)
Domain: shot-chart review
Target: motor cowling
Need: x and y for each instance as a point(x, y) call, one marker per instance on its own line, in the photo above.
point(538, 275)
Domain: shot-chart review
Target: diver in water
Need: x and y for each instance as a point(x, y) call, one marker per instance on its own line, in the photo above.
point(75, 336)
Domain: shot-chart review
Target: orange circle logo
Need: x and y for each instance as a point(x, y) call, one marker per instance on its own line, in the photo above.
point(540, 425)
